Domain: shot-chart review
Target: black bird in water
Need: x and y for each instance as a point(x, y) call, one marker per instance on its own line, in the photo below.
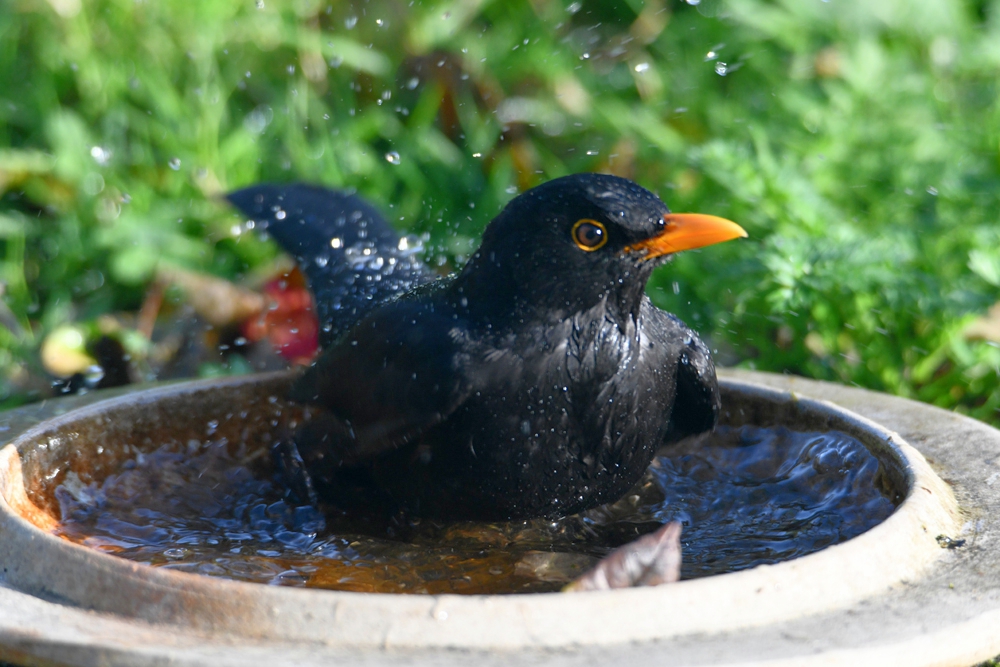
point(539, 380)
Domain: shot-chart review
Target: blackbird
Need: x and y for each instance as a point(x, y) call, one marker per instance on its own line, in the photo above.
point(537, 381)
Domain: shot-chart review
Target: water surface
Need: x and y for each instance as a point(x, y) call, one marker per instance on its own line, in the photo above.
point(745, 496)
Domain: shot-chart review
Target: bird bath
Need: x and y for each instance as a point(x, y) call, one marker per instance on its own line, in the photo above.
point(73, 601)
point(747, 495)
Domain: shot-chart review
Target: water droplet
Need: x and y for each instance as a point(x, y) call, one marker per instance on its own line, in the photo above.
point(677, 287)
point(592, 152)
point(93, 184)
point(477, 155)
point(409, 245)
point(175, 163)
point(711, 55)
point(379, 22)
point(350, 22)
point(291, 69)
point(412, 83)
point(931, 190)
point(721, 68)
point(257, 120)
point(511, 190)
point(693, 2)
point(574, 7)
point(321, 260)
point(280, 215)
point(392, 157)
point(101, 155)
point(642, 67)
point(336, 242)
point(260, 4)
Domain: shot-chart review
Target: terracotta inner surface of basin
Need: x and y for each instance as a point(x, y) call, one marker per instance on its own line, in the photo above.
point(76, 456)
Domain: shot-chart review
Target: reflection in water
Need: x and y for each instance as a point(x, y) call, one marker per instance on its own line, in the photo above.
point(746, 496)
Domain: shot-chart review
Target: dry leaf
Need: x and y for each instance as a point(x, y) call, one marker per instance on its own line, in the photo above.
point(217, 301)
point(985, 328)
point(651, 560)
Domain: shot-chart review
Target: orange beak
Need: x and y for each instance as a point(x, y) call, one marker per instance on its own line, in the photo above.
point(685, 231)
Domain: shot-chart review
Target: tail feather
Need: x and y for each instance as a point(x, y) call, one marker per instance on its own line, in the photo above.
point(353, 258)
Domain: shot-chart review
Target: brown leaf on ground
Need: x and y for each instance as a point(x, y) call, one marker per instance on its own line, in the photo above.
point(218, 301)
point(986, 327)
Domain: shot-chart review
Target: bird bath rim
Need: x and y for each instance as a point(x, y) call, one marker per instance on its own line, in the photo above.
point(897, 550)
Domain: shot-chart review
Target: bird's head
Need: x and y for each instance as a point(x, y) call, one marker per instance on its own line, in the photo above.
point(565, 246)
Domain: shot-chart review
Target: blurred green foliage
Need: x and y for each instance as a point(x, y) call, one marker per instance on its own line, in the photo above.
point(858, 142)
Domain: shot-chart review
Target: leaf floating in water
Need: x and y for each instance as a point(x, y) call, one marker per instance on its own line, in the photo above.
point(555, 567)
point(651, 560)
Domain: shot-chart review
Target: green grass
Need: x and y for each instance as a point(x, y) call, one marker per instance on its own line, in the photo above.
point(858, 142)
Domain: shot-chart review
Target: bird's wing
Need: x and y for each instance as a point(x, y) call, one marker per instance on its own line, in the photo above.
point(696, 400)
point(398, 372)
point(353, 259)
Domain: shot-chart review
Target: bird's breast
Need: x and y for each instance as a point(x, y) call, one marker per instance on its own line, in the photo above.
point(583, 373)
point(561, 416)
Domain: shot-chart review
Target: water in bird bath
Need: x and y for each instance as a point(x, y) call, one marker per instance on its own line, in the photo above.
point(745, 496)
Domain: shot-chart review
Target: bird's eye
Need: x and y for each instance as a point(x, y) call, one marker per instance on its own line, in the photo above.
point(589, 235)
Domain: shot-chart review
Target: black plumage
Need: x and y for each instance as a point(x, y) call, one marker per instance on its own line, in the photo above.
point(537, 381)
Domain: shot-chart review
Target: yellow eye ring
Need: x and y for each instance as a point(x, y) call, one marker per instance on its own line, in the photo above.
point(589, 235)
